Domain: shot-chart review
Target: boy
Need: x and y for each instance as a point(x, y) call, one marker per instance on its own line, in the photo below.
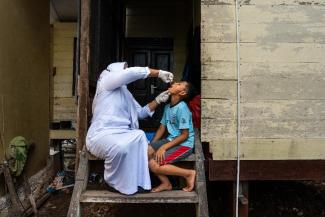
point(177, 118)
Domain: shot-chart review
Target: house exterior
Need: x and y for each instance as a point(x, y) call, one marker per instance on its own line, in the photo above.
point(281, 75)
point(276, 60)
point(281, 69)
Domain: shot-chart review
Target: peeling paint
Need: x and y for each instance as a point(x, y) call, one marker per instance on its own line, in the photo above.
point(216, 2)
point(308, 3)
point(246, 2)
point(305, 3)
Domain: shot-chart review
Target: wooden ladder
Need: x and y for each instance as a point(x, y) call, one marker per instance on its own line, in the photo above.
point(198, 197)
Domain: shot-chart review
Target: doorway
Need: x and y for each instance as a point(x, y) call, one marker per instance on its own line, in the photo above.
point(154, 33)
point(155, 53)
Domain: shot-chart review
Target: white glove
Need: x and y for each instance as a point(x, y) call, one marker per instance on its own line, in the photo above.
point(167, 77)
point(162, 97)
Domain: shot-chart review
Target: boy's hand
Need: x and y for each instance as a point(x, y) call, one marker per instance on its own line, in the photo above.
point(160, 155)
point(167, 77)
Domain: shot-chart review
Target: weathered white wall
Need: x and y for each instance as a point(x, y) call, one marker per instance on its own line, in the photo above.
point(63, 102)
point(282, 78)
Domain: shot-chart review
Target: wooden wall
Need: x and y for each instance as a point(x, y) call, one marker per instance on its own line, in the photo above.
point(282, 78)
point(63, 102)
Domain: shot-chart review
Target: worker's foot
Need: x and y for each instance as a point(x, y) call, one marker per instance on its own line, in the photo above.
point(111, 189)
point(142, 190)
point(162, 187)
point(190, 181)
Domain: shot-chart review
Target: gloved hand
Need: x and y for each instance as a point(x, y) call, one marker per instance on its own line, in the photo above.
point(162, 97)
point(167, 77)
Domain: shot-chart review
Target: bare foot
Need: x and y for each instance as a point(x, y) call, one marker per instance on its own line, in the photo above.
point(190, 181)
point(162, 187)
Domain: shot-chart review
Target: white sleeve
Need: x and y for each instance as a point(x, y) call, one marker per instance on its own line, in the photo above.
point(144, 111)
point(113, 80)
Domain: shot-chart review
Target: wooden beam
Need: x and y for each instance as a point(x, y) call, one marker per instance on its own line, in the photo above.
point(242, 202)
point(83, 82)
point(267, 170)
point(243, 199)
point(200, 182)
point(16, 209)
point(39, 202)
point(80, 185)
point(271, 148)
point(104, 196)
point(28, 193)
point(62, 134)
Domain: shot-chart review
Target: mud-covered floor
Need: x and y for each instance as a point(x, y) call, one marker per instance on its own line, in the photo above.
point(267, 199)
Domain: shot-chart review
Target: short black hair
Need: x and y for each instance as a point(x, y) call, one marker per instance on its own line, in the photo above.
point(190, 90)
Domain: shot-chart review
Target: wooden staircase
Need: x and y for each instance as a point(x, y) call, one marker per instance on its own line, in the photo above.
point(198, 197)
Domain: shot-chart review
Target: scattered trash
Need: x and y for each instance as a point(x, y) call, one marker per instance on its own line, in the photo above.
point(301, 213)
point(60, 182)
point(69, 154)
point(95, 178)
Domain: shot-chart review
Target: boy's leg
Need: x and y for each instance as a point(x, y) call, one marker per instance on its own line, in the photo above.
point(151, 152)
point(169, 169)
point(165, 183)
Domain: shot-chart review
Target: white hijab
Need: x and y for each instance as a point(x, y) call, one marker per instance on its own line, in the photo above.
point(113, 67)
point(118, 66)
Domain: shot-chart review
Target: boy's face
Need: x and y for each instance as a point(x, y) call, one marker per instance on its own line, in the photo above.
point(178, 88)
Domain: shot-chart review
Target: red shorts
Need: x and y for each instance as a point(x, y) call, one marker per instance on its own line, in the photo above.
point(173, 154)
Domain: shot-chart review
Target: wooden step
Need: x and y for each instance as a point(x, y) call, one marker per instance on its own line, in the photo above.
point(104, 196)
point(189, 158)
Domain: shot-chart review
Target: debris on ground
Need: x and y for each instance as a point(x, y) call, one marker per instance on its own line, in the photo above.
point(266, 199)
point(62, 181)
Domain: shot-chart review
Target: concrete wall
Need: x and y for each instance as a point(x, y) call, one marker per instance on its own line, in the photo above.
point(64, 103)
point(24, 73)
point(282, 79)
point(169, 19)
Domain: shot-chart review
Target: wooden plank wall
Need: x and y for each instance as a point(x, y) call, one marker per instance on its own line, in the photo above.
point(282, 45)
point(64, 103)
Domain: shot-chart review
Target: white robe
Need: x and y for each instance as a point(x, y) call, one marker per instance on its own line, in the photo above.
point(114, 134)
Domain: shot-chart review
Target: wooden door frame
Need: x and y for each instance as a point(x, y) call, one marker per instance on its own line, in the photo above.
point(83, 81)
point(84, 66)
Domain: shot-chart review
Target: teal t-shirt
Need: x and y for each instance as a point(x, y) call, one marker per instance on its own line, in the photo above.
point(176, 118)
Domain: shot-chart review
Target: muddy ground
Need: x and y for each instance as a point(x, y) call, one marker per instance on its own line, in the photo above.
point(267, 199)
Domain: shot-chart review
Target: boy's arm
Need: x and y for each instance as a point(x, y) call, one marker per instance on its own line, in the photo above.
point(160, 154)
point(160, 132)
